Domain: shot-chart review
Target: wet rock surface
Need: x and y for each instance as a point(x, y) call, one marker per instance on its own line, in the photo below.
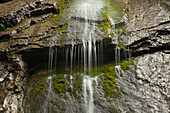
point(145, 87)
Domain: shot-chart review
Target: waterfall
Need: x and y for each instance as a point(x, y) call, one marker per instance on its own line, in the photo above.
point(88, 93)
point(85, 55)
point(50, 95)
point(50, 62)
point(71, 54)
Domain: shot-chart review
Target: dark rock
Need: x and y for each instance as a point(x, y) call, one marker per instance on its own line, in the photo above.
point(118, 25)
point(3, 1)
point(88, 20)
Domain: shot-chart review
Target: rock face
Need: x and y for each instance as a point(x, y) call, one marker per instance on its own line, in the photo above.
point(15, 17)
point(149, 39)
point(11, 82)
point(147, 89)
point(30, 10)
point(144, 88)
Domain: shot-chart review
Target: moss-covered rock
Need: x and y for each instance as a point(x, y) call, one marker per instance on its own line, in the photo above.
point(77, 84)
point(124, 65)
point(39, 88)
point(59, 84)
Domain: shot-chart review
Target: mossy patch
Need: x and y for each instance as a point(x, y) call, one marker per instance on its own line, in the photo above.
point(59, 84)
point(7, 29)
point(121, 45)
point(77, 85)
point(43, 21)
point(106, 24)
point(110, 86)
point(124, 65)
point(39, 88)
point(62, 27)
point(22, 30)
point(130, 60)
point(62, 4)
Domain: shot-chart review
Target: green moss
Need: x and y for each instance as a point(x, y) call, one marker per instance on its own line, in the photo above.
point(59, 84)
point(78, 84)
point(121, 45)
point(43, 21)
point(63, 26)
point(161, 2)
point(22, 30)
point(130, 61)
point(55, 15)
point(136, 50)
point(106, 23)
point(39, 88)
point(62, 4)
point(25, 19)
point(110, 86)
point(124, 65)
point(8, 29)
point(115, 8)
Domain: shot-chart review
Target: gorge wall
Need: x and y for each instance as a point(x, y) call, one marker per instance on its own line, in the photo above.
point(32, 31)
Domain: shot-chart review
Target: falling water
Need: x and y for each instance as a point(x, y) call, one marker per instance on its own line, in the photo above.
point(88, 93)
point(50, 62)
point(89, 53)
point(46, 105)
point(71, 60)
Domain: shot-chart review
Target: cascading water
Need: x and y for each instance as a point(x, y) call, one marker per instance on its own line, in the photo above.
point(91, 52)
point(88, 93)
point(84, 51)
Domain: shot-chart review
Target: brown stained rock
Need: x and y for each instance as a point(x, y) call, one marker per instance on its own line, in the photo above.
point(146, 13)
point(3, 76)
point(11, 87)
point(9, 83)
point(13, 5)
point(29, 9)
point(2, 94)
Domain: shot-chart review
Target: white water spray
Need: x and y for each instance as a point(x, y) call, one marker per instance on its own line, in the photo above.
point(88, 91)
